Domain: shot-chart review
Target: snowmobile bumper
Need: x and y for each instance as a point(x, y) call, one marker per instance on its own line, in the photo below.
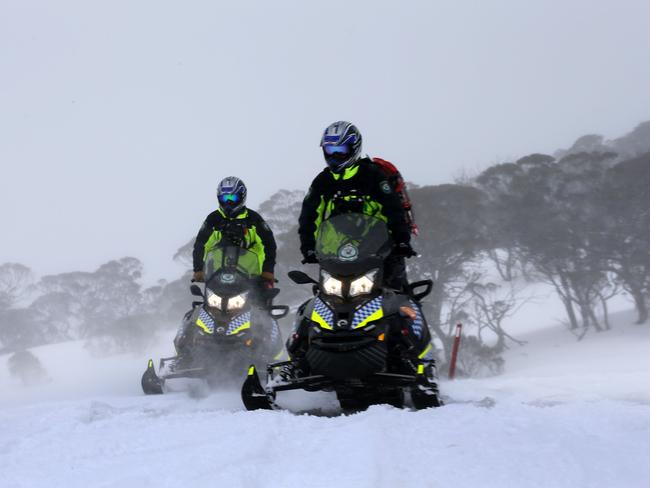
point(153, 383)
point(257, 397)
point(347, 357)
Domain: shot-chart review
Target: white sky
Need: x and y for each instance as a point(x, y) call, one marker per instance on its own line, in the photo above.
point(118, 118)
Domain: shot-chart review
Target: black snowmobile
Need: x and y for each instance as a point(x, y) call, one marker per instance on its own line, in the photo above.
point(367, 343)
point(233, 326)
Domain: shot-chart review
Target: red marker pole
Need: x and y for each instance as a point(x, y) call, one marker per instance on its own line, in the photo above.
point(454, 352)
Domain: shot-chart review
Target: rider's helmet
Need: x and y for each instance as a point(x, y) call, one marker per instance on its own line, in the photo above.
point(231, 193)
point(341, 143)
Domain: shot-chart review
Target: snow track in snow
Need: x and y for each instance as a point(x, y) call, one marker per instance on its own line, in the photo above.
point(176, 440)
point(565, 414)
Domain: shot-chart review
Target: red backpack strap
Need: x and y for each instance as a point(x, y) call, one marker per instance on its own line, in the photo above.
point(395, 178)
point(389, 168)
point(391, 171)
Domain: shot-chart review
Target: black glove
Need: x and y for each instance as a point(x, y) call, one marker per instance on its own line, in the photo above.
point(310, 257)
point(404, 250)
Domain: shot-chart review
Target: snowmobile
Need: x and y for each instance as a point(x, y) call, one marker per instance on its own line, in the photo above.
point(367, 343)
point(235, 324)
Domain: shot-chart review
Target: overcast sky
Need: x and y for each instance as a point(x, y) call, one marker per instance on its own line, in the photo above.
point(118, 118)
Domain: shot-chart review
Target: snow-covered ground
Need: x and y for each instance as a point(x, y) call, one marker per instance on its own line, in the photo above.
point(564, 414)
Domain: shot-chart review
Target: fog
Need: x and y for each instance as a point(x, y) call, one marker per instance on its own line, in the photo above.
point(117, 119)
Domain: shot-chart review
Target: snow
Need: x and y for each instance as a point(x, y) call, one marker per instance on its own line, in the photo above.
point(565, 413)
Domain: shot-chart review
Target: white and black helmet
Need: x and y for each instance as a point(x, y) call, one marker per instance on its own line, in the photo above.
point(341, 143)
point(231, 193)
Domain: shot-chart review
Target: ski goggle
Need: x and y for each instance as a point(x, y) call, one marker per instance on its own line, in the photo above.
point(229, 197)
point(331, 150)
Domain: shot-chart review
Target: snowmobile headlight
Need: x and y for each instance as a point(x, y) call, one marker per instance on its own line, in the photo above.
point(331, 285)
point(363, 285)
point(214, 300)
point(237, 302)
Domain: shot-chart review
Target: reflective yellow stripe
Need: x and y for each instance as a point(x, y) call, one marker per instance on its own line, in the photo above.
point(251, 371)
point(201, 324)
point(320, 215)
point(315, 317)
point(425, 351)
point(151, 363)
point(247, 325)
point(279, 355)
point(349, 173)
point(375, 316)
point(215, 237)
point(420, 368)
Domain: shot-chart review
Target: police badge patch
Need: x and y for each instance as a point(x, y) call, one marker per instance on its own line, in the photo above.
point(348, 252)
point(385, 187)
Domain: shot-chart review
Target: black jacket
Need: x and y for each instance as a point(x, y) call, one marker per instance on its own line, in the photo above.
point(216, 221)
point(369, 181)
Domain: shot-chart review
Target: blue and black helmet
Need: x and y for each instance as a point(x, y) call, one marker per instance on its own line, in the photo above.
point(341, 143)
point(231, 193)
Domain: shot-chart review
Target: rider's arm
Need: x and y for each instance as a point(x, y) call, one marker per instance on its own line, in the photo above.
point(268, 241)
point(309, 214)
point(392, 207)
point(199, 243)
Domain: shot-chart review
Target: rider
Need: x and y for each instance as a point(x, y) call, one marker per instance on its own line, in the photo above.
point(239, 225)
point(353, 183)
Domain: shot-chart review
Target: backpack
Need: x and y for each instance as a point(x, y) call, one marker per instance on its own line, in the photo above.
point(398, 185)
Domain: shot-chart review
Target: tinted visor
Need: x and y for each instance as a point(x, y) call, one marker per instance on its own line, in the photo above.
point(229, 198)
point(345, 149)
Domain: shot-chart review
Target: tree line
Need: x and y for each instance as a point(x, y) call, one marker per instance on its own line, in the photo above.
point(577, 220)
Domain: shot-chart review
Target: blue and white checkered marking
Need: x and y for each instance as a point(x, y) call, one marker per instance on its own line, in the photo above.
point(275, 330)
point(367, 310)
point(324, 311)
point(237, 322)
point(418, 324)
point(207, 320)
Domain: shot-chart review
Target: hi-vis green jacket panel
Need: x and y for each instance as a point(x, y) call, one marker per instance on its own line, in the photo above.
point(248, 227)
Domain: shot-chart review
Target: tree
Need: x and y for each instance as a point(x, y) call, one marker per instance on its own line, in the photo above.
point(16, 327)
point(96, 300)
point(452, 234)
point(625, 240)
point(27, 368)
point(15, 279)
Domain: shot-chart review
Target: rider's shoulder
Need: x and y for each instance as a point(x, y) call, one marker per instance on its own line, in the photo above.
point(214, 217)
point(322, 177)
point(366, 165)
point(252, 215)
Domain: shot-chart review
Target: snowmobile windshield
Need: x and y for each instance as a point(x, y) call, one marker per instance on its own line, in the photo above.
point(351, 239)
point(233, 259)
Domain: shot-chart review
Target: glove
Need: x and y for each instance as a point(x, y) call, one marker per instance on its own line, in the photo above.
point(310, 257)
point(198, 277)
point(404, 250)
point(268, 280)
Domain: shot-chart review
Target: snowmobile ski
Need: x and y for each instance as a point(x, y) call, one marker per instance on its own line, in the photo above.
point(151, 382)
point(254, 396)
point(425, 392)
